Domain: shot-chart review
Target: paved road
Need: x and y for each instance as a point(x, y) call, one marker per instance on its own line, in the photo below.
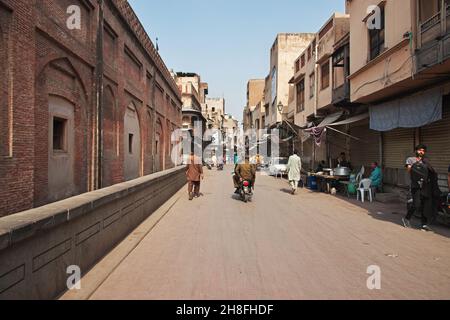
point(308, 246)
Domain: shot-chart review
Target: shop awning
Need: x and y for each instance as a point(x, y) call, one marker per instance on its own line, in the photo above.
point(413, 111)
point(351, 120)
point(330, 119)
point(319, 131)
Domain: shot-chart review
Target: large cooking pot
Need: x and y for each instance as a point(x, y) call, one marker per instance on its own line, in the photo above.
point(342, 171)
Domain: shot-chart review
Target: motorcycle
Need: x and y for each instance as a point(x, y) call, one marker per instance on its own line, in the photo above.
point(245, 191)
point(220, 167)
point(208, 165)
point(443, 210)
point(443, 213)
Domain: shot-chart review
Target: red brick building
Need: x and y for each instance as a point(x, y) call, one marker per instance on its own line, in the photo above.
point(80, 109)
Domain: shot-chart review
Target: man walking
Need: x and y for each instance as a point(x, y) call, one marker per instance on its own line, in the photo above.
point(294, 168)
point(423, 188)
point(194, 173)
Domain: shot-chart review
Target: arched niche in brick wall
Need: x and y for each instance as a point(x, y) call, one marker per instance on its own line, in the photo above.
point(132, 143)
point(58, 81)
point(110, 138)
point(61, 151)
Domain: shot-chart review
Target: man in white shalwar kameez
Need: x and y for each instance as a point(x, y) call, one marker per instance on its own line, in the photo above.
point(294, 168)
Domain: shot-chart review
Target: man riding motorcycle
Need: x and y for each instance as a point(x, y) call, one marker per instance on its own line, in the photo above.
point(245, 171)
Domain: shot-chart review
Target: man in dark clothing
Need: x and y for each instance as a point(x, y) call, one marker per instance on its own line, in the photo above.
point(245, 171)
point(448, 179)
point(342, 161)
point(424, 188)
point(321, 166)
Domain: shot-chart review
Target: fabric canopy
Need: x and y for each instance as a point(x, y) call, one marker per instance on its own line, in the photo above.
point(351, 120)
point(319, 131)
point(330, 119)
point(413, 111)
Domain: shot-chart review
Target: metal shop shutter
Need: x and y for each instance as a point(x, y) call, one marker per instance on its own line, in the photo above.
point(307, 153)
point(364, 153)
point(398, 145)
point(436, 137)
point(337, 142)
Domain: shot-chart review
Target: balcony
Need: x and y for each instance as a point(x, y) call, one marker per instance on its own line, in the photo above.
point(341, 95)
point(341, 71)
point(434, 39)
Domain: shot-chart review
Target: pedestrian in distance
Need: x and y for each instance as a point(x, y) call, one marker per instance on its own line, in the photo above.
point(294, 168)
point(194, 174)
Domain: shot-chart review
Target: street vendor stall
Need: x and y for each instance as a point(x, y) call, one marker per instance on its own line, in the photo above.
point(331, 178)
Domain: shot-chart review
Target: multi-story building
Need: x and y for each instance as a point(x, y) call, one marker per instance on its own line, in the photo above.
point(285, 49)
point(215, 110)
point(252, 110)
point(81, 107)
point(193, 95)
point(399, 71)
point(194, 123)
point(311, 98)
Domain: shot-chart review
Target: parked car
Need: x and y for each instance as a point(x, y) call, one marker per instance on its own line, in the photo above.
point(278, 166)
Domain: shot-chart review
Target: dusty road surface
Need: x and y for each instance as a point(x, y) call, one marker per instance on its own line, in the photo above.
point(308, 246)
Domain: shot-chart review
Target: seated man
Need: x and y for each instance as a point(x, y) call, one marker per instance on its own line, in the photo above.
point(245, 171)
point(321, 166)
point(342, 161)
point(376, 176)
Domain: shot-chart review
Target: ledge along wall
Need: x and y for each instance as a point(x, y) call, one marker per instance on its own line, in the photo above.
point(37, 246)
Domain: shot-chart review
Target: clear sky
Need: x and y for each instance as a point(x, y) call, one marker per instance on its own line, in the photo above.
point(227, 42)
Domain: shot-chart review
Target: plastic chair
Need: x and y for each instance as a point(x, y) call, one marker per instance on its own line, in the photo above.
point(364, 186)
point(360, 175)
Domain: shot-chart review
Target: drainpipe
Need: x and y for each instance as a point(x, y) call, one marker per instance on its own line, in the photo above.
point(316, 78)
point(99, 98)
point(154, 119)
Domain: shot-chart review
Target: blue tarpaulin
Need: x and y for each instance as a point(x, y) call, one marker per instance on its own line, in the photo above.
point(413, 111)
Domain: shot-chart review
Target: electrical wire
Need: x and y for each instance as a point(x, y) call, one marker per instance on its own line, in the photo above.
point(386, 77)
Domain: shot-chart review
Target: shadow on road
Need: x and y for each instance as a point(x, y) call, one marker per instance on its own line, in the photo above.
point(394, 212)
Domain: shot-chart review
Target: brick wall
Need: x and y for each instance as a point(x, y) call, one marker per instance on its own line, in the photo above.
point(45, 58)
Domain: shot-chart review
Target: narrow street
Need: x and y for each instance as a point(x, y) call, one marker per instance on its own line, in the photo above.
point(308, 246)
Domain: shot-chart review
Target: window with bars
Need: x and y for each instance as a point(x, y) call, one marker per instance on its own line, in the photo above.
point(325, 75)
point(301, 96)
point(312, 85)
point(130, 143)
point(59, 134)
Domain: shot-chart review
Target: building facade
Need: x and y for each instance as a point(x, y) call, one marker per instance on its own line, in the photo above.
point(214, 110)
point(312, 86)
point(82, 106)
point(252, 116)
point(400, 73)
point(194, 123)
point(285, 49)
